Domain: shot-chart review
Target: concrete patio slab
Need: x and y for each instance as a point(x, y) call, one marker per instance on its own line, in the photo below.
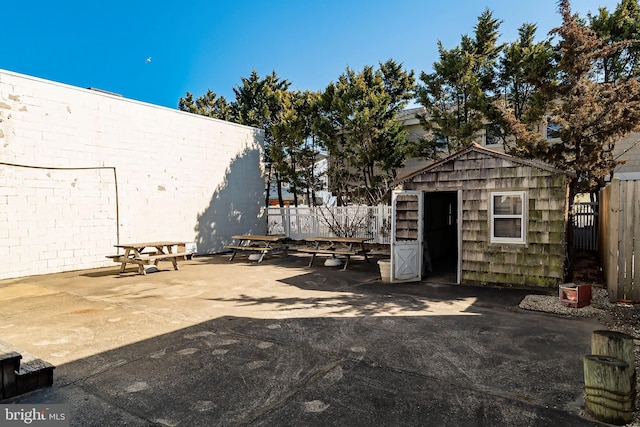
point(278, 343)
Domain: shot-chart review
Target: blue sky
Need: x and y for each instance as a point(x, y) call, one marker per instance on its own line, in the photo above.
point(200, 44)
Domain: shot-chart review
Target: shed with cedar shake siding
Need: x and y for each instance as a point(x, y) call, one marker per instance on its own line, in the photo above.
point(513, 218)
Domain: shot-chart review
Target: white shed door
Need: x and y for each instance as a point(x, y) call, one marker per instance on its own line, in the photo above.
point(406, 235)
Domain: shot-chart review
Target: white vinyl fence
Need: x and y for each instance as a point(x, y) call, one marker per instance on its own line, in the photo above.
point(299, 223)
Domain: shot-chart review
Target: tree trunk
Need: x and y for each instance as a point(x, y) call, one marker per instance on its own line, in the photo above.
point(294, 191)
point(307, 195)
point(268, 187)
point(294, 188)
point(279, 188)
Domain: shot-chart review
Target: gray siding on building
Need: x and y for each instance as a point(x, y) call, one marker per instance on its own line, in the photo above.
point(477, 172)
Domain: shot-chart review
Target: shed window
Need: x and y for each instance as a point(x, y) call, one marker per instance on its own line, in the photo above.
point(508, 217)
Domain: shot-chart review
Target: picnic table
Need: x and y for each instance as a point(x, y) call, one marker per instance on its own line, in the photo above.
point(257, 243)
point(336, 246)
point(147, 253)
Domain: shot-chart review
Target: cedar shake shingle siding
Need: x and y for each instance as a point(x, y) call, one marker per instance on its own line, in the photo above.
point(477, 172)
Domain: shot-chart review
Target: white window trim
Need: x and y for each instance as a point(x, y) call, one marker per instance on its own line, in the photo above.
point(523, 218)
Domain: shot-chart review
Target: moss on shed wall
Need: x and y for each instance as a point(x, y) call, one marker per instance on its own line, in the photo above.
point(539, 262)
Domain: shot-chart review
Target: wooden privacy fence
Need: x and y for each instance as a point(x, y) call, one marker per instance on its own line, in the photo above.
point(373, 222)
point(619, 231)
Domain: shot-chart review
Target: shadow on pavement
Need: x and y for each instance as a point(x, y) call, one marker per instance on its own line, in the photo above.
point(356, 353)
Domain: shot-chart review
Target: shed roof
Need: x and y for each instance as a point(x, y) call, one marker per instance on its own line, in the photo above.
point(480, 149)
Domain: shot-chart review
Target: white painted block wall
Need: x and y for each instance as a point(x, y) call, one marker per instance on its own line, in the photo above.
point(81, 170)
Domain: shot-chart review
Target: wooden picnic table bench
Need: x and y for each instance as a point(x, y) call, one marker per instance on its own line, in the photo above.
point(147, 253)
point(257, 243)
point(336, 246)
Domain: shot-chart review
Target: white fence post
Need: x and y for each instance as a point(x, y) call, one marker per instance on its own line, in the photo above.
point(287, 221)
point(297, 214)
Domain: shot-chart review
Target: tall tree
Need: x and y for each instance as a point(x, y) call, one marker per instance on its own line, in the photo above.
point(297, 150)
point(209, 105)
point(486, 50)
point(525, 69)
point(358, 126)
point(621, 25)
point(457, 95)
point(259, 102)
point(591, 115)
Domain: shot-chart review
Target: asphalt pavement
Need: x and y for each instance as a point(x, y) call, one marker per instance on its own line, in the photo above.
point(222, 343)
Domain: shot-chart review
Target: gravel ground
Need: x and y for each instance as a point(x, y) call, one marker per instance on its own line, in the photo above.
point(616, 317)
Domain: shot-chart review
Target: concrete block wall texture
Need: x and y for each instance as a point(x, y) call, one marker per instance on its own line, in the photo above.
point(82, 170)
